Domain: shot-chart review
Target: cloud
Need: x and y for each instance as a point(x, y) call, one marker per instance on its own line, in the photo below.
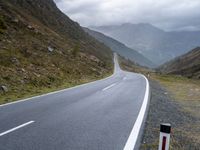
point(166, 14)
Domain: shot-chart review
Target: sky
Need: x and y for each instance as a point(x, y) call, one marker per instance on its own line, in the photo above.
point(169, 15)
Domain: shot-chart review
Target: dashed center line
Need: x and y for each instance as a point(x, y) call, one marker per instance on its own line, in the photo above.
point(18, 127)
point(108, 87)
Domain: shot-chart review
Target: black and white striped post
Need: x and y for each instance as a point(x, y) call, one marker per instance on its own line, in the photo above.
point(165, 130)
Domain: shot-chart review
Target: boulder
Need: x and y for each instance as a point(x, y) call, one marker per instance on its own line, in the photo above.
point(50, 49)
point(15, 60)
point(3, 88)
point(30, 27)
point(94, 58)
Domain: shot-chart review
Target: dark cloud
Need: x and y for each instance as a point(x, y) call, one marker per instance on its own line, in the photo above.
point(166, 14)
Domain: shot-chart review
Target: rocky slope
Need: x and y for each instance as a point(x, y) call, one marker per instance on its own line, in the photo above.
point(186, 65)
point(121, 49)
point(155, 44)
point(41, 48)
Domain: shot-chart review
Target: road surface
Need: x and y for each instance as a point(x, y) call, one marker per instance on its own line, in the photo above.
point(102, 115)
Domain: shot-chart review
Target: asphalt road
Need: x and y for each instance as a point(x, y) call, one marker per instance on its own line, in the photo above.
point(95, 116)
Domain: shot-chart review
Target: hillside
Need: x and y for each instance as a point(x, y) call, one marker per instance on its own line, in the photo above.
point(157, 45)
point(41, 49)
point(121, 49)
point(186, 65)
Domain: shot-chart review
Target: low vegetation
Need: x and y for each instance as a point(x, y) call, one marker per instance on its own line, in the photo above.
point(42, 50)
point(186, 92)
point(133, 67)
point(187, 65)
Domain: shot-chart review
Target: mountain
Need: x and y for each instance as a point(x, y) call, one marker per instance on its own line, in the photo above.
point(121, 49)
point(155, 44)
point(186, 65)
point(41, 48)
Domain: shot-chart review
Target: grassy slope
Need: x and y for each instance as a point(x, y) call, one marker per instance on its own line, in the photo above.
point(132, 67)
point(186, 65)
point(27, 67)
point(185, 92)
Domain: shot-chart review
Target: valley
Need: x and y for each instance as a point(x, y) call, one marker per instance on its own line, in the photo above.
point(150, 40)
point(95, 75)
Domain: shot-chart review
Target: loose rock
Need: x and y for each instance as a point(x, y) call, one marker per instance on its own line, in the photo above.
point(15, 60)
point(50, 49)
point(3, 88)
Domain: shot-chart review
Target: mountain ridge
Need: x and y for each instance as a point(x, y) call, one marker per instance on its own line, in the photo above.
point(186, 65)
point(157, 45)
point(121, 49)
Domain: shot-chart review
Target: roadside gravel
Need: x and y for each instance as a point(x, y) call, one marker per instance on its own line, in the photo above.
point(163, 109)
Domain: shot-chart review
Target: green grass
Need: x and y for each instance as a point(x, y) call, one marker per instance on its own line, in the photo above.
point(30, 90)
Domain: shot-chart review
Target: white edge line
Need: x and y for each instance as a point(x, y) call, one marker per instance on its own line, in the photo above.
point(13, 129)
point(18, 101)
point(30, 98)
point(131, 142)
point(108, 87)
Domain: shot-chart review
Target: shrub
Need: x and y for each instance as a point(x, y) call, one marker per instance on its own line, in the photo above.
point(2, 23)
point(76, 50)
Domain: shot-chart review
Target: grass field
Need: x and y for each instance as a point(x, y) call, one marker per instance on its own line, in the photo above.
point(185, 91)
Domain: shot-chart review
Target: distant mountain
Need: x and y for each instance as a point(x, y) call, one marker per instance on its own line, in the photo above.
point(121, 49)
point(157, 45)
point(186, 65)
point(42, 48)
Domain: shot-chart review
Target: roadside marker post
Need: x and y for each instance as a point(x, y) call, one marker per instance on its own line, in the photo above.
point(165, 130)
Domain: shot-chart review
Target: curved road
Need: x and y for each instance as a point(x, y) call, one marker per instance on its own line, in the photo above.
point(102, 115)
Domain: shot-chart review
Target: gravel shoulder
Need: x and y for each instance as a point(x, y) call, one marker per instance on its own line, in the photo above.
point(163, 109)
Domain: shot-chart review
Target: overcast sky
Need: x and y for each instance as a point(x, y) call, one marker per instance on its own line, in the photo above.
point(166, 14)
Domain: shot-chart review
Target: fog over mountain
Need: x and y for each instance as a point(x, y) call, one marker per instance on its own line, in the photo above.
point(165, 14)
point(157, 45)
point(121, 49)
point(160, 30)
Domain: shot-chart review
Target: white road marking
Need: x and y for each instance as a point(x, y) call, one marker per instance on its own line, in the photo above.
point(131, 142)
point(55, 92)
point(108, 87)
point(18, 127)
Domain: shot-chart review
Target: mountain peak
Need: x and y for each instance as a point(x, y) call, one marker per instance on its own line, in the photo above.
point(142, 25)
point(132, 24)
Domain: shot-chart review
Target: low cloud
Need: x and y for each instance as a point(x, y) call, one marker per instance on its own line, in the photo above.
point(166, 14)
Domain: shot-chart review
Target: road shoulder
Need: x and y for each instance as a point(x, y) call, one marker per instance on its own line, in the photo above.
point(164, 109)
